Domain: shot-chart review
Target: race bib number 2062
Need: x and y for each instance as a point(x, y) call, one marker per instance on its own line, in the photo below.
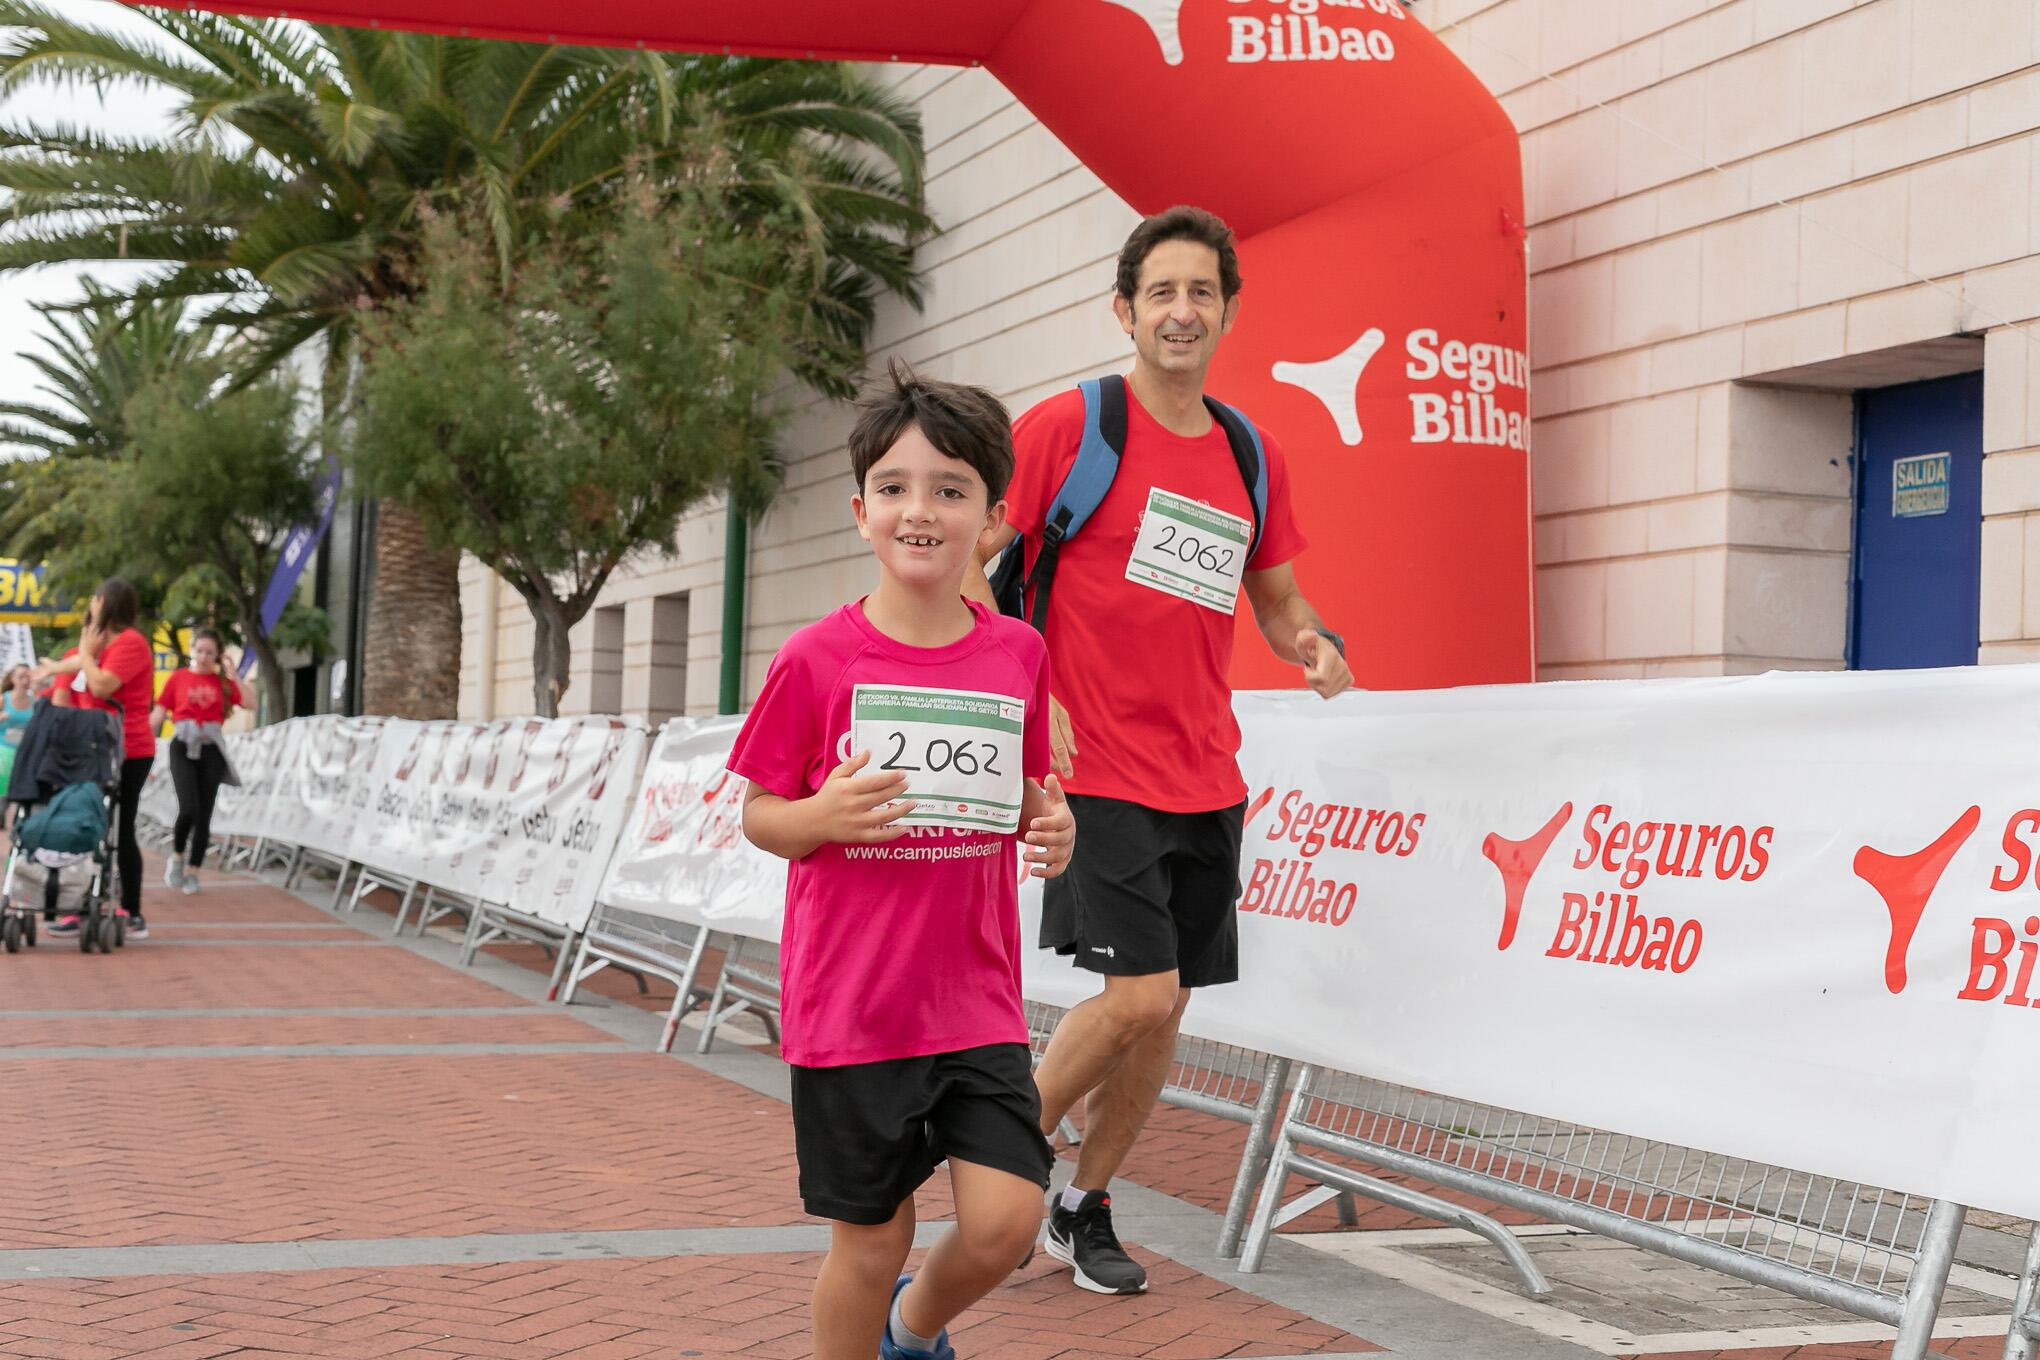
point(959, 749)
point(1190, 550)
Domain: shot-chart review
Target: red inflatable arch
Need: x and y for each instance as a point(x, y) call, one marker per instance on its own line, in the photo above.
point(1376, 189)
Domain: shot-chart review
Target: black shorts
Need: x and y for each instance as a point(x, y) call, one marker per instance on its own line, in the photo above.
point(1149, 892)
point(868, 1134)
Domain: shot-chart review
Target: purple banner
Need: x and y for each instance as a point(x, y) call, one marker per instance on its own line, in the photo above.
point(298, 548)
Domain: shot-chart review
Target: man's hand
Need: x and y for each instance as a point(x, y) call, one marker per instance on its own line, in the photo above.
point(1051, 836)
point(1062, 738)
point(854, 809)
point(1324, 670)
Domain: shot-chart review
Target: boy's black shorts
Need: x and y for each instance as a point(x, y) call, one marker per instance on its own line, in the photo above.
point(1149, 892)
point(868, 1134)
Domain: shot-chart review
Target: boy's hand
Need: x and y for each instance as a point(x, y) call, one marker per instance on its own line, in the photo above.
point(854, 809)
point(1051, 836)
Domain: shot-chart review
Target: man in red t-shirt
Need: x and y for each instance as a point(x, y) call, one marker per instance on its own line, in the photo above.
point(1146, 742)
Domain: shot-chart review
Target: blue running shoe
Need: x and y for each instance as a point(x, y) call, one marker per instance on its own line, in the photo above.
point(888, 1351)
point(65, 925)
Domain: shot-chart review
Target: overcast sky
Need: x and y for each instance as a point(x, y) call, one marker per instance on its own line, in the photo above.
point(129, 111)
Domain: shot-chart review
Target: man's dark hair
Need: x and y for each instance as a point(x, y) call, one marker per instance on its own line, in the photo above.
point(1180, 223)
point(119, 606)
point(967, 423)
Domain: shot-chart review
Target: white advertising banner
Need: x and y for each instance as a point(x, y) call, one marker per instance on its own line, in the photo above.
point(683, 856)
point(523, 812)
point(1794, 917)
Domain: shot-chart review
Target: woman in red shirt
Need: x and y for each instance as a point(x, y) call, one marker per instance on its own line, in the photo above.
point(198, 698)
point(119, 671)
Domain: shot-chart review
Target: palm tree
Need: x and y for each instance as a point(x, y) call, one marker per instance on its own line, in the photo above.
point(306, 157)
point(102, 352)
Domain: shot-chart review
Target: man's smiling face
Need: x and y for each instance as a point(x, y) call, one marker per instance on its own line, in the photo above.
point(1177, 313)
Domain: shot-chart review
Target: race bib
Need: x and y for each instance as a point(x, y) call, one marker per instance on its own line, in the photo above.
point(1188, 549)
point(959, 749)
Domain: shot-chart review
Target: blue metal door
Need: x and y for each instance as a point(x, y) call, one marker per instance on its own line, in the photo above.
point(1919, 524)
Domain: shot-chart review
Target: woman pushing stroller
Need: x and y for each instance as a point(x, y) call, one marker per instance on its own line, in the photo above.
point(117, 668)
point(198, 698)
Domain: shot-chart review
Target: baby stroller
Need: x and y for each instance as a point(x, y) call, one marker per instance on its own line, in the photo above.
point(65, 783)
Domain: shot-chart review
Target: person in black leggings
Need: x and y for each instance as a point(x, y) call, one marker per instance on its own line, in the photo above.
point(197, 698)
point(119, 669)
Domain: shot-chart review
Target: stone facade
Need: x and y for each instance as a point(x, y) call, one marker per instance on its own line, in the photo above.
point(1740, 211)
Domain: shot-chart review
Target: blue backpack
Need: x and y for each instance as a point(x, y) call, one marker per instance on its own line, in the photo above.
point(73, 822)
point(1090, 477)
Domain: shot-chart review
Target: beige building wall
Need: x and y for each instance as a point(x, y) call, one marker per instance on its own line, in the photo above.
point(1741, 212)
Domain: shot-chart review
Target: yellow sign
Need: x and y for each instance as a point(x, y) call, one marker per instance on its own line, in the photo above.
point(23, 599)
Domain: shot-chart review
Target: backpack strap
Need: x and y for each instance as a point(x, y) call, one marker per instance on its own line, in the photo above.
point(1083, 487)
point(1251, 457)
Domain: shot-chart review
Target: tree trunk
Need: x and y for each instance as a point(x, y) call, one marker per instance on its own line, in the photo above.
point(551, 652)
point(410, 664)
point(275, 698)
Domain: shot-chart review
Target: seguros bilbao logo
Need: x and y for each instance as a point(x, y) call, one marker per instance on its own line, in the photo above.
point(1282, 30)
point(1624, 855)
point(1468, 392)
point(1290, 881)
point(2003, 949)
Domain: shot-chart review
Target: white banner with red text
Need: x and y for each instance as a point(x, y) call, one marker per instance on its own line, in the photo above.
point(1793, 917)
point(521, 812)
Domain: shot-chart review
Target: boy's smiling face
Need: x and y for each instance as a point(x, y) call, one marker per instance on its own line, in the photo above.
point(924, 513)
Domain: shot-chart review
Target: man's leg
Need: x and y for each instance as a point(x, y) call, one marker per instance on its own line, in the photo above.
point(1117, 1109)
point(853, 1292)
point(997, 1216)
point(1096, 1035)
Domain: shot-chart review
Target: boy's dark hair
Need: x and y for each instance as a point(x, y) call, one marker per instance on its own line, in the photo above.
point(967, 423)
point(119, 606)
point(1180, 223)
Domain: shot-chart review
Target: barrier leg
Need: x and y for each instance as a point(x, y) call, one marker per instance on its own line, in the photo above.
point(683, 999)
point(297, 862)
point(472, 938)
point(347, 867)
point(1254, 1161)
point(2025, 1329)
point(1929, 1278)
point(568, 948)
point(576, 975)
point(1255, 1246)
point(404, 907)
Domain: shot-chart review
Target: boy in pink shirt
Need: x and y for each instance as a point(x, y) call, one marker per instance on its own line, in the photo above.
point(895, 756)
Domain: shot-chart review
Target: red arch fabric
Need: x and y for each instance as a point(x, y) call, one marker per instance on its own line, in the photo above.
point(1376, 188)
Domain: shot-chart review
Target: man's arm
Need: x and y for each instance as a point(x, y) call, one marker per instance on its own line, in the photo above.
point(1294, 631)
point(976, 584)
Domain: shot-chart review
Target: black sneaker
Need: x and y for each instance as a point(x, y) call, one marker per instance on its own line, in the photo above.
point(1082, 1237)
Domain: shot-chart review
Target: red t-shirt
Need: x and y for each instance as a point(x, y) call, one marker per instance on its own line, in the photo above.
point(1142, 672)
point(190, 697)
point(128, 657)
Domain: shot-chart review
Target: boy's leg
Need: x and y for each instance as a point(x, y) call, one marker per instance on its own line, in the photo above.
point(998, 1215)
point(853, 1292)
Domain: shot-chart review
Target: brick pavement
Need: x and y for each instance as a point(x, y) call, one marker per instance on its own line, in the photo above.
point(367, 1152)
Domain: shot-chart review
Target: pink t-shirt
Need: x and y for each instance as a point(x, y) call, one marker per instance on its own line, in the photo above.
point(912, 947)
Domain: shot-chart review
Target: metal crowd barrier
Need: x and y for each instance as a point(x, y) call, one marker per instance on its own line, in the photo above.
point(641, 945)
point(489, 922)
point(2020, 1341)
point(1878, 1254)
point(1225, 1081)
point(749, 982)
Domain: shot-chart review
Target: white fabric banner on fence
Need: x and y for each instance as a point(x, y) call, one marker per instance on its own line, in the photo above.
point(521, 812)
point(683, 856)
point(1793, 918)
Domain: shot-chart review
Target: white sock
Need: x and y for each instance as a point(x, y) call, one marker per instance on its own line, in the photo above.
point(901, 1337)
point(1073, 1198)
